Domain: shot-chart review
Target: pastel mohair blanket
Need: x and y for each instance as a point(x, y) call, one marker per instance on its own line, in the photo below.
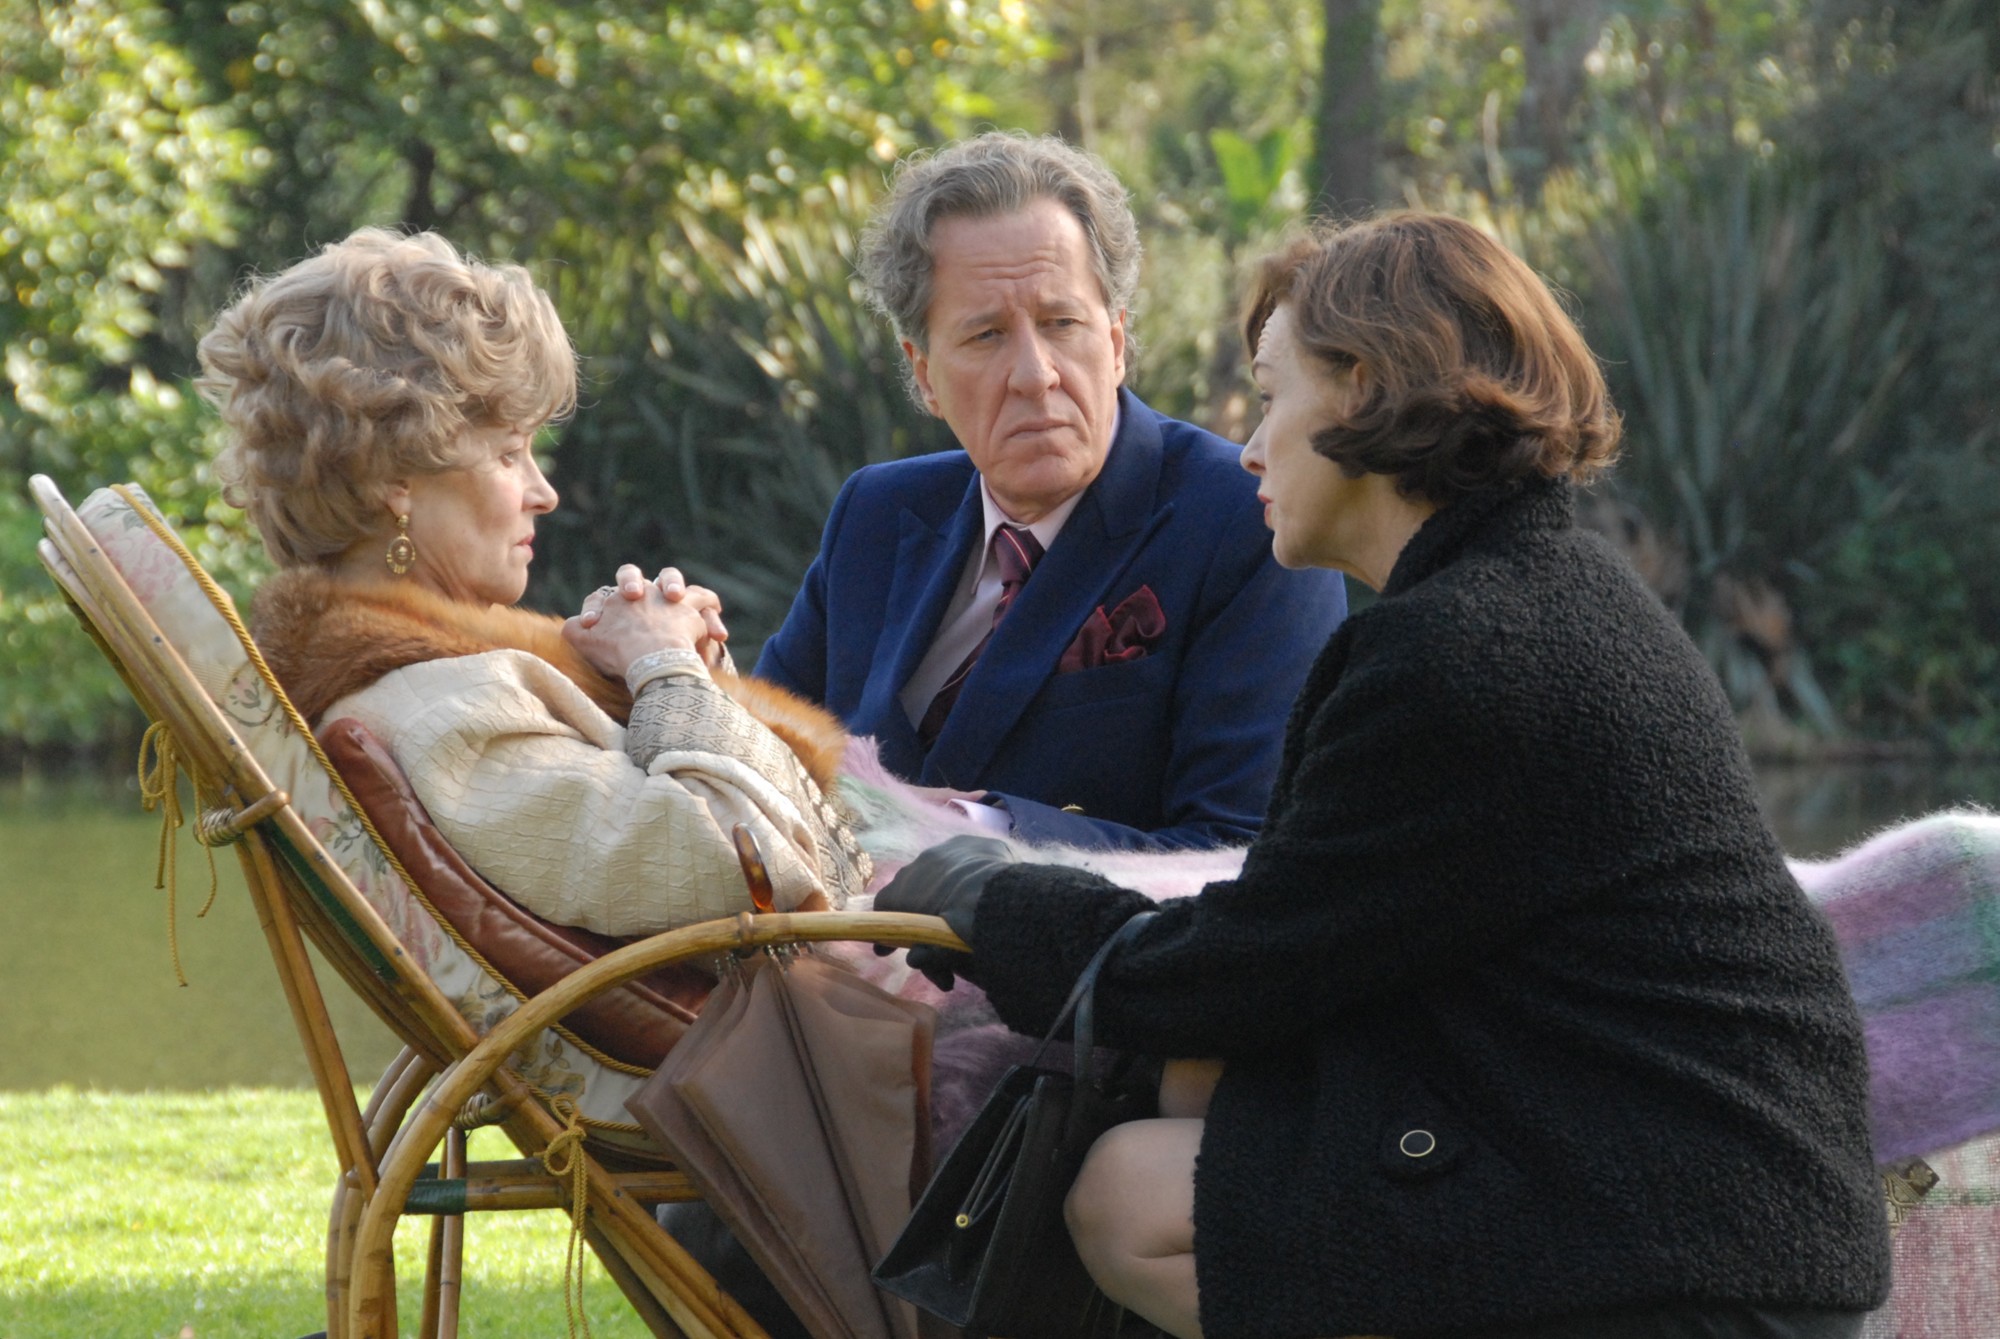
point(1916, 909)
point(972, 1048)
point(1917, 913)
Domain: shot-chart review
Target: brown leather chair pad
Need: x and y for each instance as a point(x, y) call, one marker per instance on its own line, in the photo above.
point(637, 1023)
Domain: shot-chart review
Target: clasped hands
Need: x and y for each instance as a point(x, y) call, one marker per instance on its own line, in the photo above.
point(635, 616)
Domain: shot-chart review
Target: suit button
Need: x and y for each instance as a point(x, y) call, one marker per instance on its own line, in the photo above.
point(1417, 1144)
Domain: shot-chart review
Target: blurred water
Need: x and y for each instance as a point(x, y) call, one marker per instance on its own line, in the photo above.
point(91, 1000)
point(1822, 809)
point(86, 974)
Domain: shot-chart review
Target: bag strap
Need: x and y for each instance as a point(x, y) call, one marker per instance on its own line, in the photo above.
point(1081, 1000)
point(1085, 1031)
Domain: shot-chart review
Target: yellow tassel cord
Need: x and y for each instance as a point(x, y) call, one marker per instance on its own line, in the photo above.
point(159, 788)
point(564, 1157)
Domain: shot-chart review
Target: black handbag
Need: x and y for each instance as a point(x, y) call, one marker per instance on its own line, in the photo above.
point(986, 1248)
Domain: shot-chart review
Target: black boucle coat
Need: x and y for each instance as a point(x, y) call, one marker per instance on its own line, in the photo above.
point(1523, 1013)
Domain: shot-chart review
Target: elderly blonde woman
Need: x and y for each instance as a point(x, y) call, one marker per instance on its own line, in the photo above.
point(381, 401)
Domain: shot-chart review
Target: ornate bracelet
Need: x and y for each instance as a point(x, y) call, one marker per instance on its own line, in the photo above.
point(659, 664)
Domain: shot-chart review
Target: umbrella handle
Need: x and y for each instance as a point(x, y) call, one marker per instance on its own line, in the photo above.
point(755, 872)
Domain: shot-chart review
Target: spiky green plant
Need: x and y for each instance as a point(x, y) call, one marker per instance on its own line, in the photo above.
point(1754, 343)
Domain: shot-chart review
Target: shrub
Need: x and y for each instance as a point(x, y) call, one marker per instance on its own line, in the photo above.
point(757, 381)
point(1906, 604)
point(1755, 344)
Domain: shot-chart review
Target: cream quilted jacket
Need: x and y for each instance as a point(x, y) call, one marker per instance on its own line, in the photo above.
point(532, 784)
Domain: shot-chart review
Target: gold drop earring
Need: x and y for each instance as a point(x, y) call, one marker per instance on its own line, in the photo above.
point(402, 555)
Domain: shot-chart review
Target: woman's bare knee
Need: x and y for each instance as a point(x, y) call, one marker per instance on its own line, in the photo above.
point(1134, 1197)
point(1131, 1214)
point(1092, 1207)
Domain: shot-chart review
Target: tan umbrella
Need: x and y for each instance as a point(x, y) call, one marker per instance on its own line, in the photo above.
point(799, 1104)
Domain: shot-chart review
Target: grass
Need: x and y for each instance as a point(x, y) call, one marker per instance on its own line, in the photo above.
point(203, 1216)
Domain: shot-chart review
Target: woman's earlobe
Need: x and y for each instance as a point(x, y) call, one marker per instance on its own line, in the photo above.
point(396, 497)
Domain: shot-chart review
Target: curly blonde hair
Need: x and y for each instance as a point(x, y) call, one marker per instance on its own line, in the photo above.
point(367, 363)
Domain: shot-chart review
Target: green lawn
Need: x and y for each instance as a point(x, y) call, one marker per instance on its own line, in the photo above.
point(203, 1216)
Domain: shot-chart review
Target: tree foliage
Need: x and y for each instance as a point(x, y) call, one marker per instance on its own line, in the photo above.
point(1807, 390)
point(113, 173)
point(150, 154)
point(552, 123)
point(1775, 217)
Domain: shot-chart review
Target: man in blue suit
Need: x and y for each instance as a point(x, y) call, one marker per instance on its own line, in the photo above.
point(1077, 619)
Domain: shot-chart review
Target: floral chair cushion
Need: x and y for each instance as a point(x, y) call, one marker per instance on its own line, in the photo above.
point(203, 628)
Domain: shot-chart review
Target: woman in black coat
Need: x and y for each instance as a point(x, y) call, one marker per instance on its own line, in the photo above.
point(1522, 1026)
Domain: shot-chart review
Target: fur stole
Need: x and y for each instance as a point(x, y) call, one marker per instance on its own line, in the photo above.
point(325, 638)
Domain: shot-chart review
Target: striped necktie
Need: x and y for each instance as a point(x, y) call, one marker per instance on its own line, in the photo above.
point(1015, 552)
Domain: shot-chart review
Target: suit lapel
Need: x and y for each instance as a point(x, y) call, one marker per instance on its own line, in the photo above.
point(1109, 526)
point(928, 564)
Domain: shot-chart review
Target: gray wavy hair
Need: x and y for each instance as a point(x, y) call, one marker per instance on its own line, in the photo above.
point(1000, 172)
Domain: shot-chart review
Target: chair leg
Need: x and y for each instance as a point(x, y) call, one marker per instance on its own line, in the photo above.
point(400, 1085)
point(427, 1319)
point(341, 1221)
point(450, 1279)
point(445, 1270)
point(650, 1312)
point(309, 1015)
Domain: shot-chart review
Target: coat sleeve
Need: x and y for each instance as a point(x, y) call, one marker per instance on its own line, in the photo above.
point(1262, 626)
point(795, 656)
point(1402, 852)
point(566, 824)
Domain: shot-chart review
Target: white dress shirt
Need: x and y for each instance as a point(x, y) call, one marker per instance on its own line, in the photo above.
point(969, 616)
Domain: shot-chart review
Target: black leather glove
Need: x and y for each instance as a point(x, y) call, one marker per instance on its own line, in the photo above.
point(945, 881)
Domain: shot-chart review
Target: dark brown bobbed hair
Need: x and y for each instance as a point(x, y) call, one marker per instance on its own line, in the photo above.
point(1474, 373)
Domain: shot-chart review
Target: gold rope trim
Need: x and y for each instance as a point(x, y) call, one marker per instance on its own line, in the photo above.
point(563, 1158)
point(479, 1110)
point(159, 788)
point(227, 608)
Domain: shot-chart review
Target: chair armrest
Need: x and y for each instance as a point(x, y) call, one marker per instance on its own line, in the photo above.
point(425, 1128)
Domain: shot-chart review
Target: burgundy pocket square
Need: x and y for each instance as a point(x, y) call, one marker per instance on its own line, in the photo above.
point(1126, 633)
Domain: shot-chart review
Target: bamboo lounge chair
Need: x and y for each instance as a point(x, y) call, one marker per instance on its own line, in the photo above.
point(487, 1051)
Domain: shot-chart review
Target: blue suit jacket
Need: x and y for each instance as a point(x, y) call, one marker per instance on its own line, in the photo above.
point(1176, 748)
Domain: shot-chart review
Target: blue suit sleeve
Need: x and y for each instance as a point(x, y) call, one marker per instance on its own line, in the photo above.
point(1232, 695)
point(795, 656)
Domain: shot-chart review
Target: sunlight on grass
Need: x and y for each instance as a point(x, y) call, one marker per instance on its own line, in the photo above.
point(203, 1216)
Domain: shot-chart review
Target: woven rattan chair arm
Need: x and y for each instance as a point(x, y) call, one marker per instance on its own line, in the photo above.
point(426, 1125)
point(707, 939)
point(614, 969)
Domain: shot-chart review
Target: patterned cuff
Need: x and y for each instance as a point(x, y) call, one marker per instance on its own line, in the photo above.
point(659, 664)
